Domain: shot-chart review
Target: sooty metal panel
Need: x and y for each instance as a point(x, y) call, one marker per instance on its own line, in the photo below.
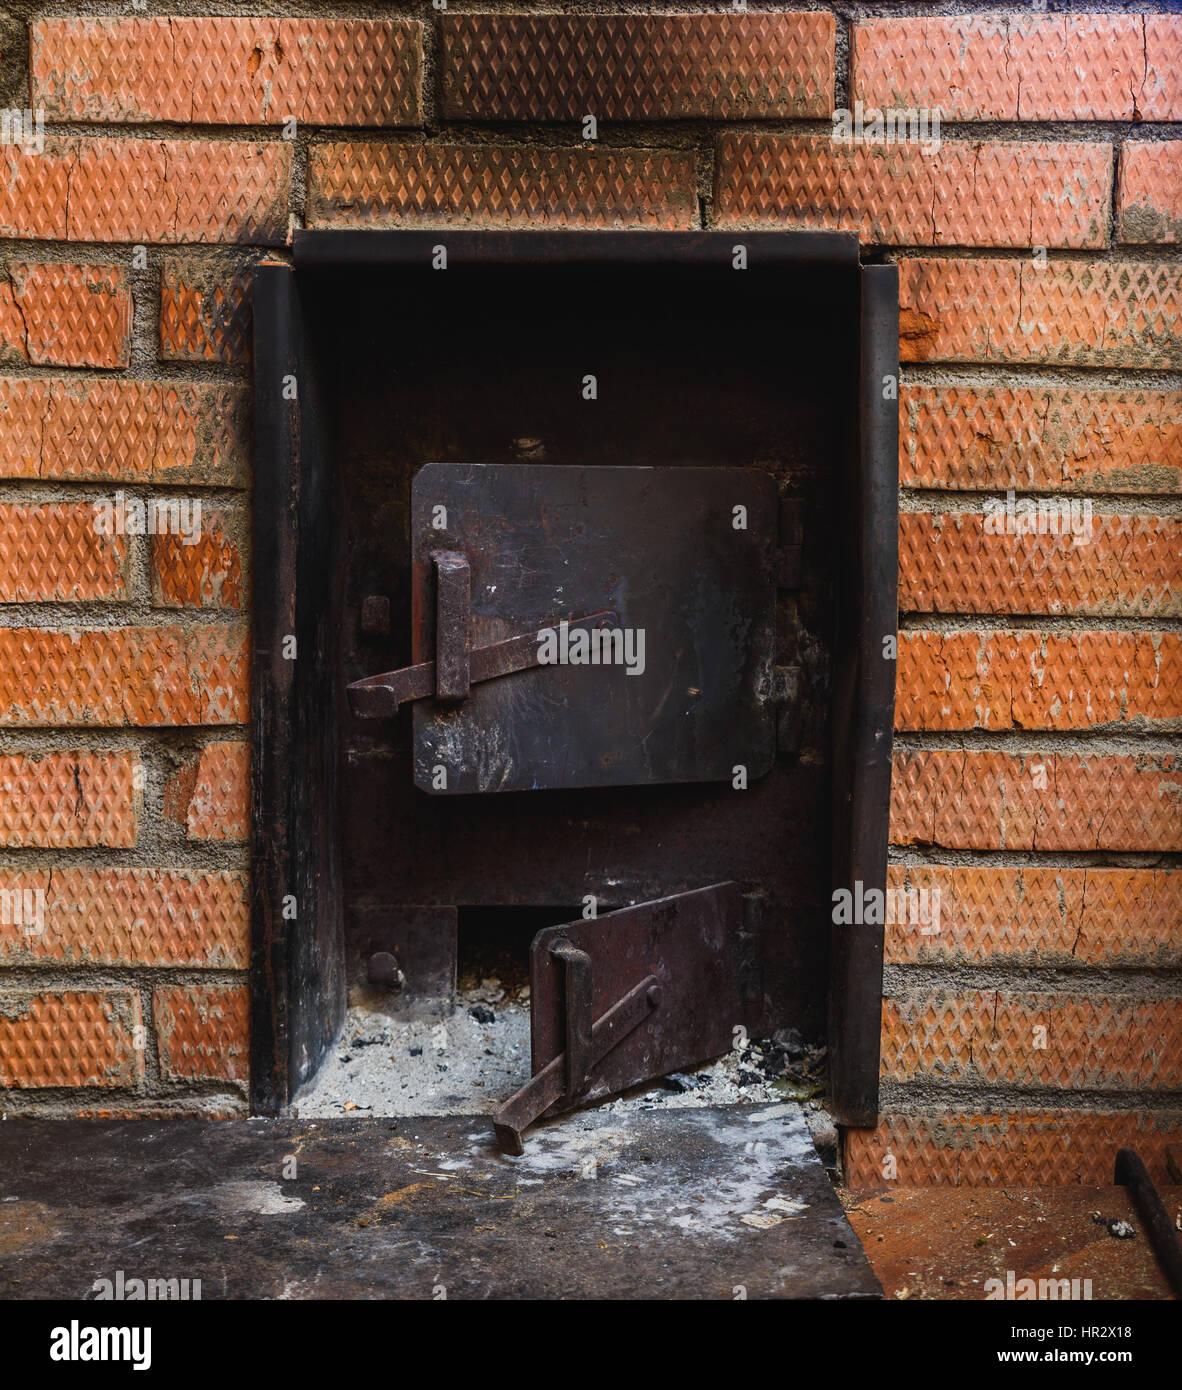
point(684, 558)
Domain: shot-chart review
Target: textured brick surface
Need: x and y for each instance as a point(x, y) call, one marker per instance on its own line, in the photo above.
point(141, 190)
point(950, 563)
point(1038, 680)
point(1036, 916)
point(1037, 438)
point(53, 551)
point(125, 917)
point(203, 1032)
point(34, 187)
point(637, 67)
point(70, 1039)
point(1086, 314)
point(1028, 1149)
point(210, 795)
point(69, 800)
point(1052, 801)
point(125, 675)
point(127, 431)
point(962, 194)
point(1085, 68)
point(487, 185)
point(65, 315)
point(205, 574)
point(994, 1037)
point(204, 311)
point(1150, 206)
point(235, 71)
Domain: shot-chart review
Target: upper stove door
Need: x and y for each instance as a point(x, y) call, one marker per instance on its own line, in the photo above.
point(643, 601)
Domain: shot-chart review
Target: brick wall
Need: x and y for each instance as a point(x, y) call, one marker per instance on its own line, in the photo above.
point(1039, 771)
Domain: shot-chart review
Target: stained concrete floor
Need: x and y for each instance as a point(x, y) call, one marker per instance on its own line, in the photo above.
point(714, 1203)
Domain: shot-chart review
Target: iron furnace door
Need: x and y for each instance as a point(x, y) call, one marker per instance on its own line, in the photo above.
point(588, 626)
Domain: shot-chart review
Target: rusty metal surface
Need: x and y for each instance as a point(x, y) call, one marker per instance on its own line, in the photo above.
point(1159, 1226)
point(567, 1076)
point(660, 548)
point(378, 697)
point(503, 339)
point(421, 940)
point(944, 1243)
point(681, 1204)
point(689, 943)
point(453, 617)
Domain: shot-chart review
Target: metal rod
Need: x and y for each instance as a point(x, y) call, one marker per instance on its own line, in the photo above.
point(1132, 1173)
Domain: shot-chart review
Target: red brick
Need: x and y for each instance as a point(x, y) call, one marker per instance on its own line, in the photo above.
point(69, 800)
point(246, 71)
point(1150, 205)
point(204, 311)
point(53, 551)
point(34, 188)
point(1037, 801)
point(195, 1108)
point(1038, 439)
point(962, 194)
point(71, 1039)
point(1077, 313)
point(203, 1032)
point(1036, 916)
point(950, 563)
point(210, 794)
point(139, 676)
point(636, 67)
point(205, 574)
point(65, 315)
point(1034, 1148)
point(992, 1037)
point(1085, 68)
point(489, 185)
point(1038, 680)
point(145, 190)
point(89, 430)
point(135, 917)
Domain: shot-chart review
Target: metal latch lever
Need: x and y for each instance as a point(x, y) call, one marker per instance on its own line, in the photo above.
point(378, 697)
point(567, 1076)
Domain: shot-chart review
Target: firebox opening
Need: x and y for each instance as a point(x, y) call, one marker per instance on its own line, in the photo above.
point(492, 943)
point(603, 352)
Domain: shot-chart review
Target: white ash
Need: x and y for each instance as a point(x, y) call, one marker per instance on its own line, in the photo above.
point(458, 1066)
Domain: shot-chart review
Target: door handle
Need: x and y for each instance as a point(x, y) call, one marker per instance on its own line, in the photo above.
point(378, 697)
point(453, 620)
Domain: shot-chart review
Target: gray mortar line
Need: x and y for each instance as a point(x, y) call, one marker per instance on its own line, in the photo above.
point(1041, 742)
point(900, 1098)
point(1053, 624)
point(937, 856)
point(949, 502)
point(1061, 981)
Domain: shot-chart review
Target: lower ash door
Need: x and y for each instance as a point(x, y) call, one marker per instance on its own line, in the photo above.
point(627, 997)
point(587, 627)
